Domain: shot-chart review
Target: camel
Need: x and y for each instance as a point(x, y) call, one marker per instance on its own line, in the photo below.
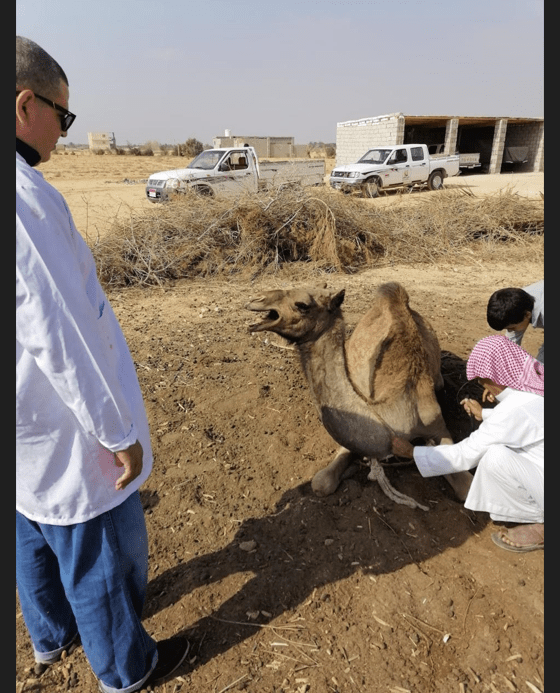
point(378, 383)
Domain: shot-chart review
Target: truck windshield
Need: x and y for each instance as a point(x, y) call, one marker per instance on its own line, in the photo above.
point(375, 156)
point(206, 160)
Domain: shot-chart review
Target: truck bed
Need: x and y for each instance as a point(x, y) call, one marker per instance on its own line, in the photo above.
point(466, 160)
point(469, 160)
point(303, 171)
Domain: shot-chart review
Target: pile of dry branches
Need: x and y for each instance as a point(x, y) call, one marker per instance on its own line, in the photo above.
point(195, 236)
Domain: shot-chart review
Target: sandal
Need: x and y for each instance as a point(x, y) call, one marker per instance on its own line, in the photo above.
point(507, 541)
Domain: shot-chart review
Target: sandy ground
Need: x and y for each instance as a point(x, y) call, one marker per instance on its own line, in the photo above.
point(278, 590)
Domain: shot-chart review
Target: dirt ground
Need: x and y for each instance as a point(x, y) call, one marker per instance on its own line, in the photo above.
point(278, 590)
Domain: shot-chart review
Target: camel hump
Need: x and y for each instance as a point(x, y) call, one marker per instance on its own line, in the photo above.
point(391, 347)
point(394, 293)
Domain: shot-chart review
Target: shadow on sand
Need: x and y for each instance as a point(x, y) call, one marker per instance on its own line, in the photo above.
point(308, 543)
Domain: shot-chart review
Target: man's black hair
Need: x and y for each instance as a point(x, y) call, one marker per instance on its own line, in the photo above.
point(508, 307)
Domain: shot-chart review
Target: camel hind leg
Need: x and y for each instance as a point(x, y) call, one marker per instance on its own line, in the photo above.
point(460, 482)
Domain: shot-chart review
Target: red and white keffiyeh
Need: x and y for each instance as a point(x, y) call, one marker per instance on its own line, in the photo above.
point(506, 364)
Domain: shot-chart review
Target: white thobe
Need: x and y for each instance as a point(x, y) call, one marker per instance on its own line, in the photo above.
point(508, 451)
point(535, 290)
point(78, 399)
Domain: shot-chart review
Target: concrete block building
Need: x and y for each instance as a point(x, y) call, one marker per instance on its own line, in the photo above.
point(266, 147)
point(489, 136)
point(102, 140)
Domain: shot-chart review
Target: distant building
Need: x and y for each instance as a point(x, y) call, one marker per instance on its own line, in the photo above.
point(490, 136)
point(266, 147)
point(102, 140)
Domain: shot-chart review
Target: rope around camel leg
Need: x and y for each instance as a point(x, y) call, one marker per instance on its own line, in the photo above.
point(377, 473)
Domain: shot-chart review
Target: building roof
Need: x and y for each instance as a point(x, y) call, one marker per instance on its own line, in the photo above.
point(436, 119)
point(467, 120)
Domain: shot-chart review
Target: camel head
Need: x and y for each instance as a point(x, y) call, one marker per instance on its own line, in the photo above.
point(299, 315)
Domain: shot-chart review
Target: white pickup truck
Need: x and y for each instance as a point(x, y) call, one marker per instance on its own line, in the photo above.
point(404, 165)
point(228, 172)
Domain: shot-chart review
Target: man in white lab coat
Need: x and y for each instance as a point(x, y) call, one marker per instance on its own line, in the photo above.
point(82, 439)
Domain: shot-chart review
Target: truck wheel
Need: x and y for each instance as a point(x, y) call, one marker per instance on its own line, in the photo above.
point(295, 187)
point(203, 191)
point(435, 181)
point(371, 187)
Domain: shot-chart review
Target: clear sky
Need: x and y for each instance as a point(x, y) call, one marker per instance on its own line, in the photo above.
point(168, 70)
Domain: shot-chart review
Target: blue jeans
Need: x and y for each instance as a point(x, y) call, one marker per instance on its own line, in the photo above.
point(89, 578)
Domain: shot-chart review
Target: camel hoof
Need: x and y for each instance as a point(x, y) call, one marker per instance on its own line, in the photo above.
point(349, 471)
point(324, 483)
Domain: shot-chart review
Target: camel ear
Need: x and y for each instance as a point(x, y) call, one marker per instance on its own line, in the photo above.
point(336, 300)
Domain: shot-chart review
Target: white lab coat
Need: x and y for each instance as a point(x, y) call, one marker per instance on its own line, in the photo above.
point(78, 399)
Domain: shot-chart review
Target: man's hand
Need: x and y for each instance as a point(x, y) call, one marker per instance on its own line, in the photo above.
point(402, 448)
point(473, 408)
point(131, 460)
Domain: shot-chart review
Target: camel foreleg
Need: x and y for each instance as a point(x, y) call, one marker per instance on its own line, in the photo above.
point(326, 480)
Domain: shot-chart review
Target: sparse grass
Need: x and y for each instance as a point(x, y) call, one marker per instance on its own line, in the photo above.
point(194, 236)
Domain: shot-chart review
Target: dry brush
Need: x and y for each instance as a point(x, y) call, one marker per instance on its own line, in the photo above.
point(195, 236)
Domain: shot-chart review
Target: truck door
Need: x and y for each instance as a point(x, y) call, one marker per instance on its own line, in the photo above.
point(236, 174)
point(399, 168)
point(419, 169)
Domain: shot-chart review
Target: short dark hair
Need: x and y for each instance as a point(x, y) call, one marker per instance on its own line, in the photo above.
point(508, 307)
point(36, 69)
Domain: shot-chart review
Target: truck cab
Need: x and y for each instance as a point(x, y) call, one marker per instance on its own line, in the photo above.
point(407, 166)
point(241, 173)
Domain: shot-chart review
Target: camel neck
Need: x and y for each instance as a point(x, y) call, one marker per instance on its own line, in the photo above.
point(324, 363)
point(344, 413)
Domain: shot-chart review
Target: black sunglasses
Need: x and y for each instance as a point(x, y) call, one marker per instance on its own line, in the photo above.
point(66, 118)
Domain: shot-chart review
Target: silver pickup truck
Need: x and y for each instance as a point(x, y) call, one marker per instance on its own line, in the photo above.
point(383, 168)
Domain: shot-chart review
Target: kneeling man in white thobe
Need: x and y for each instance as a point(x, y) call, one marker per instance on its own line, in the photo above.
point(507, 449)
